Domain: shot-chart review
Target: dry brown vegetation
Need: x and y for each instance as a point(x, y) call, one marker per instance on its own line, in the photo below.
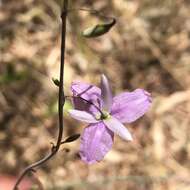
point(149, 48)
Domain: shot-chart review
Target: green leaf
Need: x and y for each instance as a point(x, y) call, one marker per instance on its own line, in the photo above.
point(98, 30)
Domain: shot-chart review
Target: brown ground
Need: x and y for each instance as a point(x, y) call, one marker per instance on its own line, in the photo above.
point(148, 48)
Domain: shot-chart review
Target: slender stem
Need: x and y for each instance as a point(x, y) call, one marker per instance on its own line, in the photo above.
point(56, 147)
point(61, 89)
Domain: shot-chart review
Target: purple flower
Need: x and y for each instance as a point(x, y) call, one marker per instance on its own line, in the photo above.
point(105, 116)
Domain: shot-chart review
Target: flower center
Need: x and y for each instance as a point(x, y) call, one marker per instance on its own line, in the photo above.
point(102, 116)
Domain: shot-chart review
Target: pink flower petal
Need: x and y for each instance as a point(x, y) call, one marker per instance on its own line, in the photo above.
point(82, 116)
point(88, 92)
point(117, 127)
point(106, 94)
point(96, 141)
point(129, 106)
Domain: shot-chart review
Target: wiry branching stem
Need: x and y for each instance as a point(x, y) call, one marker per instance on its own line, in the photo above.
point(56, 147)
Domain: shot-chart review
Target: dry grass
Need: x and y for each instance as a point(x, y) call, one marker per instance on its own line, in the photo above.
point(148, 48)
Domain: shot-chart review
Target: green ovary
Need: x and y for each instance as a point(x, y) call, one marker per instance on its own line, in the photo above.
point(104, 115)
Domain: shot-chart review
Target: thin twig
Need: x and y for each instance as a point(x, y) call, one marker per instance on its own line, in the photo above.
point(55, 148)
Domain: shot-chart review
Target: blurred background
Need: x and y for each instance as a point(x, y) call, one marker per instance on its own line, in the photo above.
point(148, 48)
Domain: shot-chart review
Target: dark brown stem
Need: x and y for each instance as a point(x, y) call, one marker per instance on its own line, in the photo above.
point(61, 79)
point(56, 147)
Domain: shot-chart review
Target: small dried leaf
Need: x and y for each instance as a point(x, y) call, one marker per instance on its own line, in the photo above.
point(71, 138)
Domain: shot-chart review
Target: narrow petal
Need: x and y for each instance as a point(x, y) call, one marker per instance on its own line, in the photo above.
point(88, 92)
point(129, 106)
point(96, 141)
point(82, 116)
point(117, 127)
point(106, 94)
